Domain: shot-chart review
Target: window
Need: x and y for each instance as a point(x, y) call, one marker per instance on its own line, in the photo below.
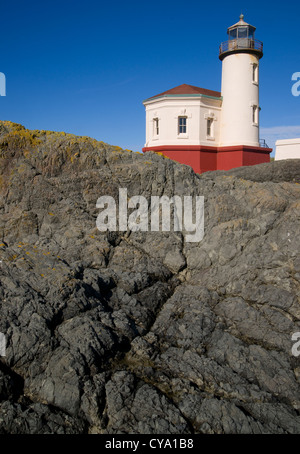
point(255, 73)
point(233, 34)
point(156, 126)
point(251, 33)
point(255, 115)
point(209, 127)
point(182, 125)
point(210, 119)
point(243, 32)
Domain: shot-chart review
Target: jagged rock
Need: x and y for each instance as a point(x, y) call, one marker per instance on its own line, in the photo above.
point(144, 332)
point(137, 407)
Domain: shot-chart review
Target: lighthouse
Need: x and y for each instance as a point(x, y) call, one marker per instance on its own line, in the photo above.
point(240, 56)
point(207, 129)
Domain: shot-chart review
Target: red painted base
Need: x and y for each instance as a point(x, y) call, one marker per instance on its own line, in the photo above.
point(202, 158)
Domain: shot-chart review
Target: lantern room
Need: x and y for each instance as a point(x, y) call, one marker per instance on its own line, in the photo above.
point(241, 38)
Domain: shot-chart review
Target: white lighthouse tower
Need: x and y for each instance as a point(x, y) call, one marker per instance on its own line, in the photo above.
point(240, 56)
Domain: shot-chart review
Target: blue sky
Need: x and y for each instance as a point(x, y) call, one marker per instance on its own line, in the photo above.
point(86, 67)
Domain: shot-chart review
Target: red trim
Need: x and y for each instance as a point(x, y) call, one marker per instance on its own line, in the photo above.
point(203, 158)
point(180, 148)
point(246, 148)
point(206, 148)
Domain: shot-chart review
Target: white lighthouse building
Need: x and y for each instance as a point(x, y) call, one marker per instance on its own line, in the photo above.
point(211, 130)
point(240, 57)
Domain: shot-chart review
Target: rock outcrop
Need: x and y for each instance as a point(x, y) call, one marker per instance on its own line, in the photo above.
point(143, 332)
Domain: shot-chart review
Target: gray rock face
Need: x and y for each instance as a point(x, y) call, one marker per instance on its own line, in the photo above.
point(144, 332)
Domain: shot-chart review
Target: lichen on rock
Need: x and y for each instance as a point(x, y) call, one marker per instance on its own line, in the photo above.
point(143, 332)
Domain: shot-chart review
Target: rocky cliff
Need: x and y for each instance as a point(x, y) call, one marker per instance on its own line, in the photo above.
point(143, 332)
